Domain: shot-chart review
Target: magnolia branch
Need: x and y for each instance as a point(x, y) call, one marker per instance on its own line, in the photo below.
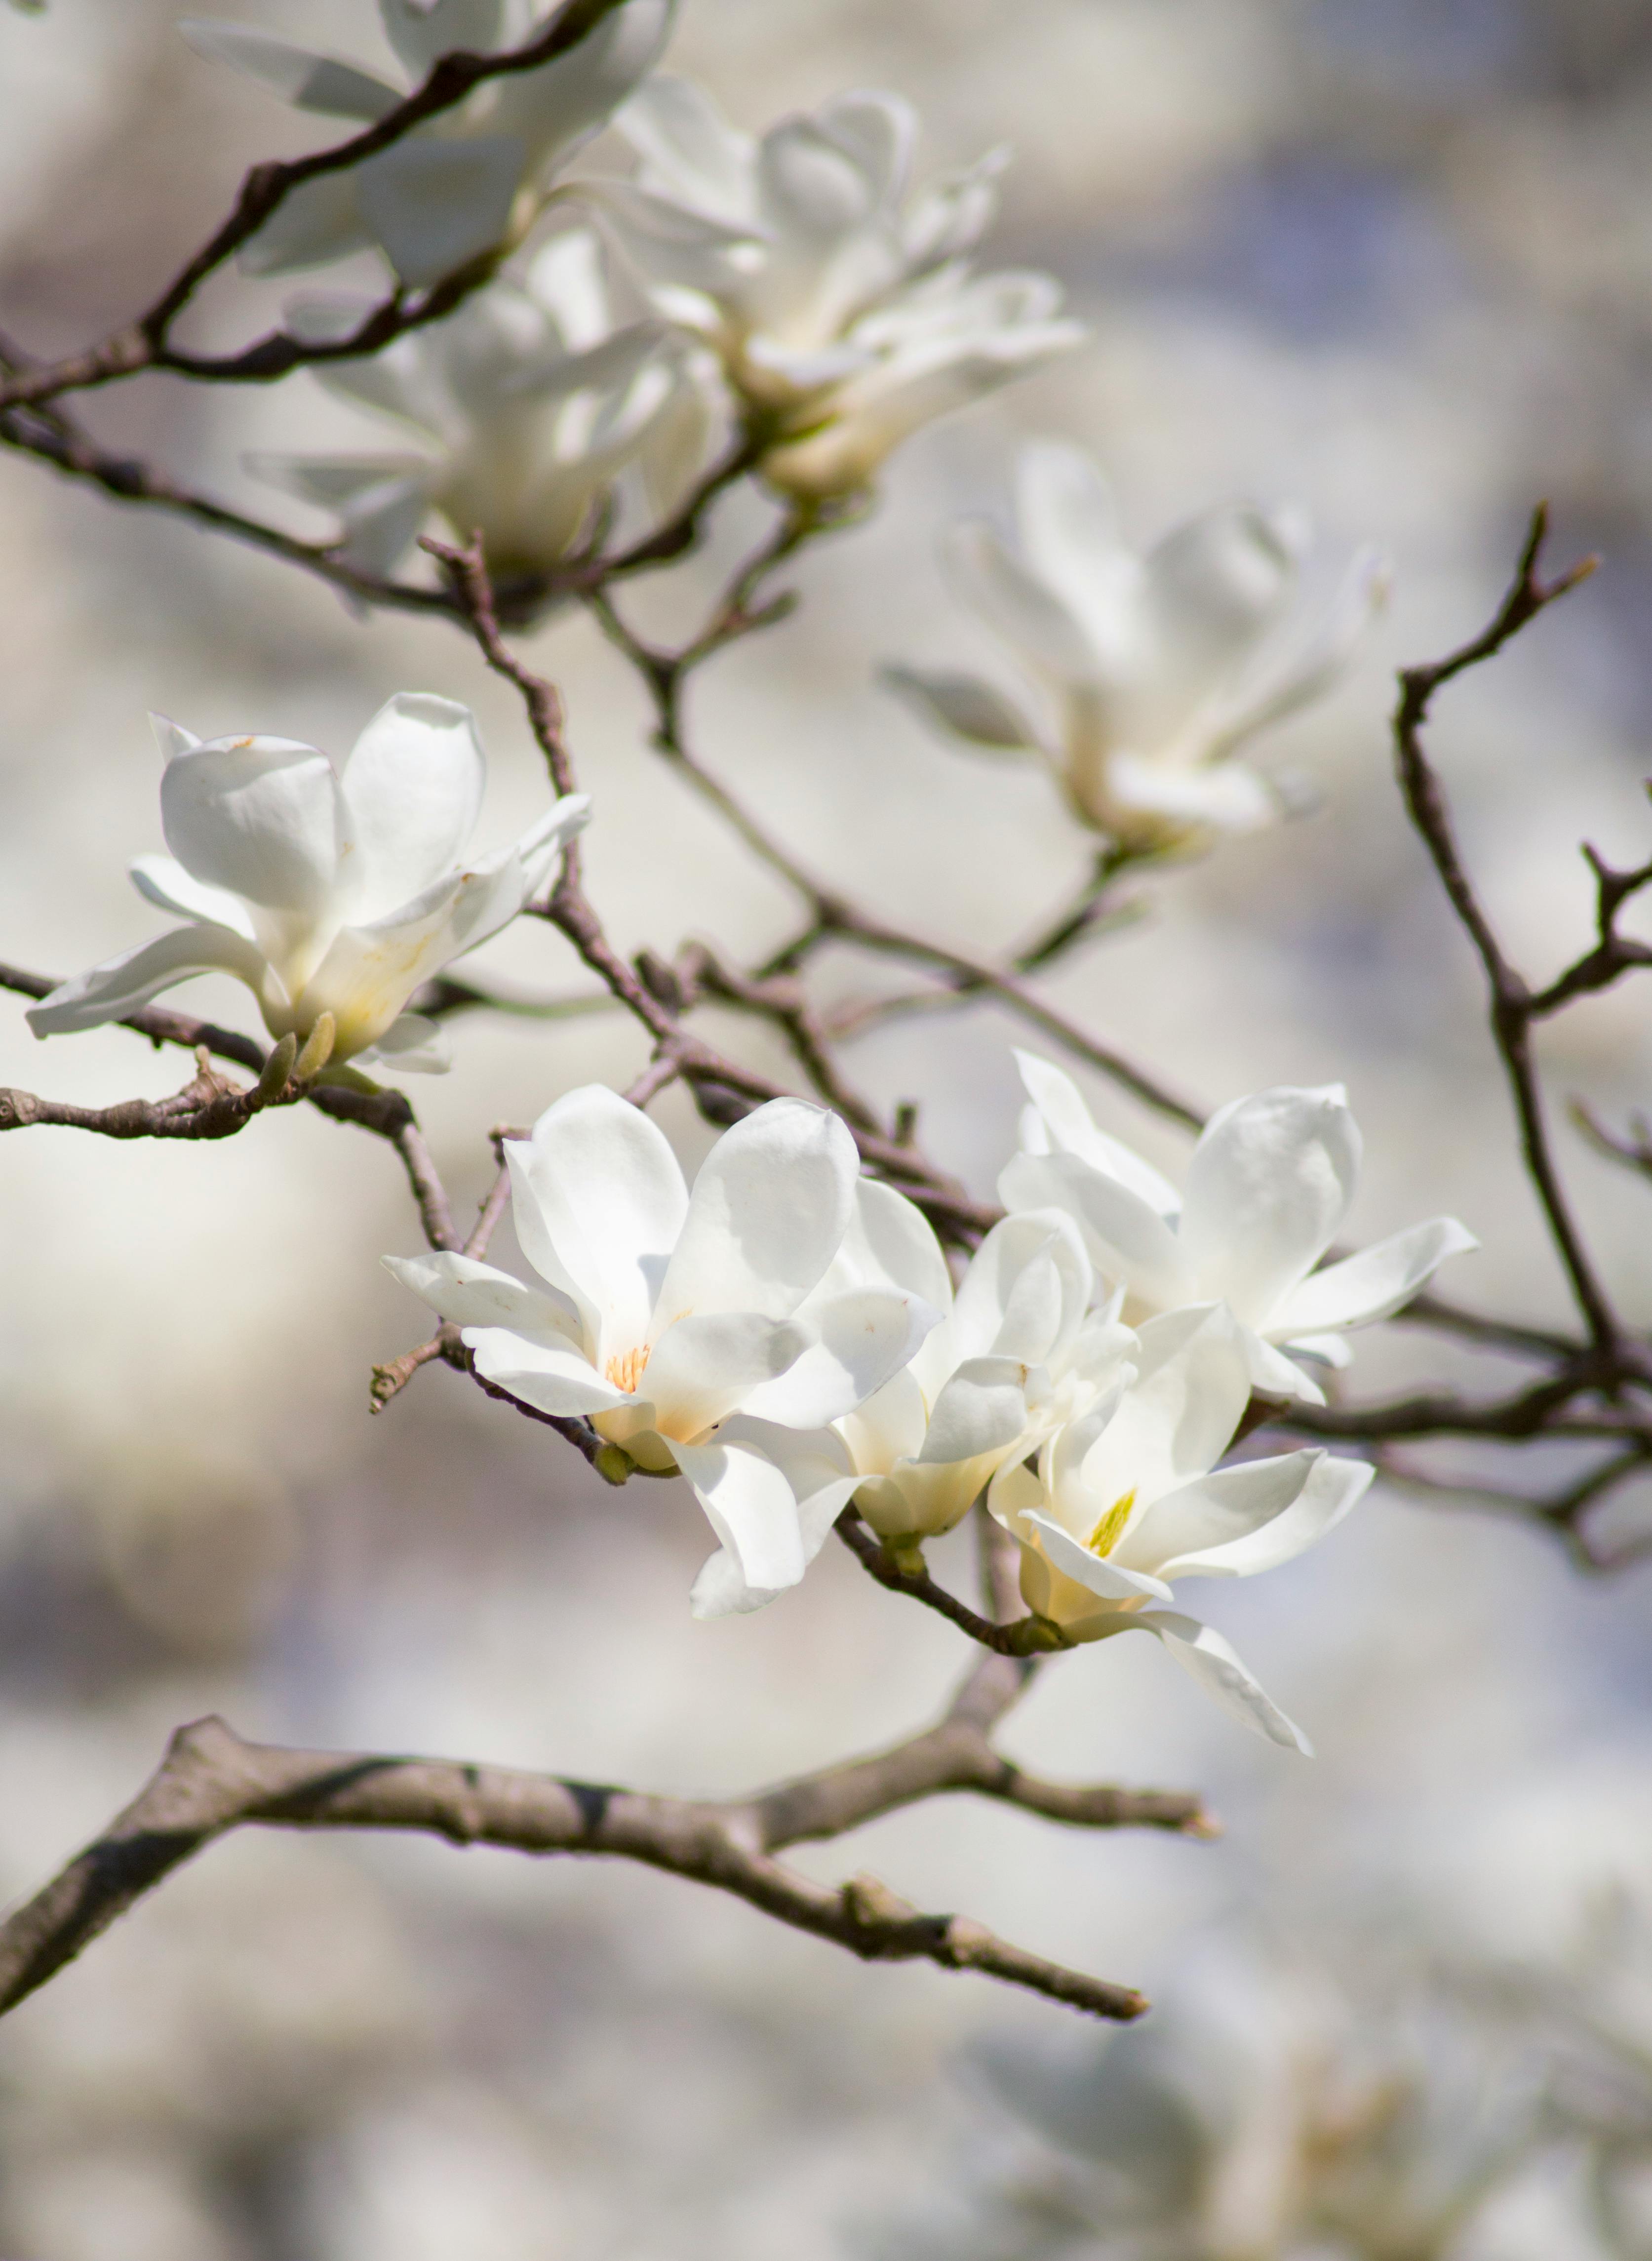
point(147, 343)
point(211, 1781)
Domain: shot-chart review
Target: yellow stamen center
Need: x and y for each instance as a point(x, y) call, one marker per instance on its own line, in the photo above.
point(1101, 1540)
point(625, 1369)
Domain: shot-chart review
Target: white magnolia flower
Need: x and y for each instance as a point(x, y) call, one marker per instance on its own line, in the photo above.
point(667, 1313)
point(1155, 670)
point(324, 889)
point(1128, 1497)
point(1017, 1352)
point(524, 407)
point(1269, 1184)
point(472, 178)
point(840, 305)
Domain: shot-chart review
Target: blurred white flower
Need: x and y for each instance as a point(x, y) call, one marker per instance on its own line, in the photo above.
point(469, 179)
point(1157, 669)
point(1270, 1182)
point(324, 889)
point(525, 405)
point(1128, 1497)
point(1018, 1351)
point(840, 306)
point(667, 1312)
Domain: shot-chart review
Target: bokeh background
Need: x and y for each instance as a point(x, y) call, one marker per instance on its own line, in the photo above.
point(1389, 259)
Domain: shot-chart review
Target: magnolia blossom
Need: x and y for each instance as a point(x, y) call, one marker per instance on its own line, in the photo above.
point(471, 178)
point(524, 407)
point(1270, 1182)
point(1155, 669)
point(325, 889)
point(1128, 1498)
point(840, 305)
point(666, 1313)
point(1015, 1352)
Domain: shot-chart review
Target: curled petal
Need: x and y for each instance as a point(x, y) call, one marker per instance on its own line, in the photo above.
point(982, 1409)
point(109, 991)
point(750, 1507)
point(1110, 1581)
point(1201, 1651)
point(263, 817)
point(1071, 1129)
point(554, 1378)
point(1270, 1182)
point(1377, 1281)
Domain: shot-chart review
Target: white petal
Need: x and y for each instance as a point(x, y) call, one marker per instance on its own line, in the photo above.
point(318, 221)
point(1213, 1510)
point(1214, 588)
point(472, 1294)
point(434, 204)
point(1278, 1375)
point(171, 737)
point(710, 1364)
point(109, 991)
point(1030, 617)
point(1069, 529)
point(599, 1204)
point(1270, 1182)
point(310, 81)
point(1329, 1489)
point(547, 1375)
point(721, 1589)
point(1072, 1130)
point(413, 781)
point(861, 1339)
point(1201, 1651)
point(166, 883)
point(891, 1243)
point(423, 31)
point(750, 1505)
point(411, 1045)
point(565, 275)
point(1227, 795)
point(1378, 1281)
point(1176, 1420)
point(262, 817)
point(674, 127)
point(1127, 1238)
point(879, 130)
point(981, 1408)
point(888, 1427)
point(1106, 1579)
point(564, 102)
point(1026, 1291)
point(965, 706)
point(769, 1210)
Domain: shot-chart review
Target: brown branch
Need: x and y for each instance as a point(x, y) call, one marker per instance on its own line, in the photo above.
point(211, 1781)
point(831, 916)
point(1024, 1636)
point(1513, 1007)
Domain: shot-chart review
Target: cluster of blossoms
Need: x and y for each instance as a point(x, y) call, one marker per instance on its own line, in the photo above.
point(787, 1335)
point(792, 289)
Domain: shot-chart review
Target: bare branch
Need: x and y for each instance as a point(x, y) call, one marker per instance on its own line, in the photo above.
point(1513, 1005)
point(146, 342)
point(211, 1781)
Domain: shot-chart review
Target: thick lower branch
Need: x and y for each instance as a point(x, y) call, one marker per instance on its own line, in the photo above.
point(211, 1781)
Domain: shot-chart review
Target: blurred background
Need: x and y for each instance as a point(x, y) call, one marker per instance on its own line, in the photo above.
point(1390, 260)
